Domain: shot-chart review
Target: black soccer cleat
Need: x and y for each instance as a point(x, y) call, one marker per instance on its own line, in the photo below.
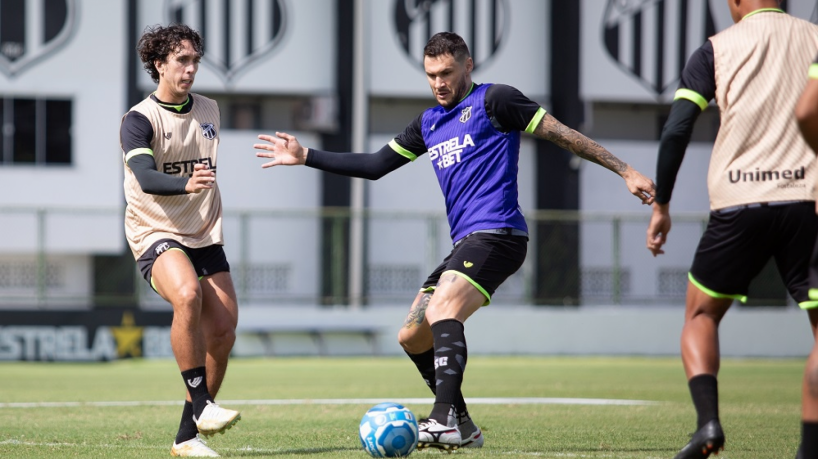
point(707, 440)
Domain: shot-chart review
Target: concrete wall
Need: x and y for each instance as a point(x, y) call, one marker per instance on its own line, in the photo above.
point(510, 330)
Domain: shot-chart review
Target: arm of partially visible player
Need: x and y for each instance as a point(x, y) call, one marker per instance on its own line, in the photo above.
point(285, 150)
point(807, 109)
point(696, 88)
point(509, 109)
point(135, 136)
point(551, 129)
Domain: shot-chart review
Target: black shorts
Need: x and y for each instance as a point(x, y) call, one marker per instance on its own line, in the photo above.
point(486, 260)
point(738, 243)
point(206, 260)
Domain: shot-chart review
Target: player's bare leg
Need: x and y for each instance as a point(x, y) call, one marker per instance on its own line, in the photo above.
point(417, 341)
point(454, 301)
point(219, 320)
point(809, 397)
point(701, 358)
point(416, 336)
point(175, 280)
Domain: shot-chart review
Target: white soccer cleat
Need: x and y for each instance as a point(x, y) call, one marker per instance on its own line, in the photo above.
point(195, 447)
point(215, 419)
point(471, 435)
point(435, 435)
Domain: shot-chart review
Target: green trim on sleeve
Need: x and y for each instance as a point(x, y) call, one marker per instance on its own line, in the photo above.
point(472, 282)
point(813, 71)
point(692, 96)
point(402, 151)
point(711, 293)
point(535, 121)
point(813, 294)
point(138, 151)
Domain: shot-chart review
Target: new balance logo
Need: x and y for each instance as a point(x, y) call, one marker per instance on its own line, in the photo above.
point(167, 135)
point(468, 264)
point(194, 383)
point(441, 362)
point(161, 248)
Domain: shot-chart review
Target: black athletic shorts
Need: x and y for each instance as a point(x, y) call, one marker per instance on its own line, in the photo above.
point(206, 260)
point(484, 259)
point(738, 243)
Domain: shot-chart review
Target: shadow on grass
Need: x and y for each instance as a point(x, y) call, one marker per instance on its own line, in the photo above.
point(281, 452)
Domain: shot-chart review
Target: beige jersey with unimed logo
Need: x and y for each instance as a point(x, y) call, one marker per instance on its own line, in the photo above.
point(759, 154)
point(180, 140)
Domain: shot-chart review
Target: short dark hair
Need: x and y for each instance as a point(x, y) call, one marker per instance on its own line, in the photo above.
point(447, 43)
point(158, 42)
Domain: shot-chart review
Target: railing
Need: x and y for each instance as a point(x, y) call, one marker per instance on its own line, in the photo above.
point(51, 258)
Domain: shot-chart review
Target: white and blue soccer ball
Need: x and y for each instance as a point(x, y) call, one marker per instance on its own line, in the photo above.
point(389, 430)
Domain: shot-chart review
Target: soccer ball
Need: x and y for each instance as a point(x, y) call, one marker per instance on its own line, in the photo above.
point(389, 430)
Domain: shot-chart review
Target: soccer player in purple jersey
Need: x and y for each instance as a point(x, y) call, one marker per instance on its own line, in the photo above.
point(472, 138)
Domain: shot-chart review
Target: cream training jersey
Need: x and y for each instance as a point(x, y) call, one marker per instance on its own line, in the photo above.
point(178, 137)
point(754, 70)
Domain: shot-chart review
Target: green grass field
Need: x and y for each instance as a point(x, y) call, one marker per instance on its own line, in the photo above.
point(760, 407)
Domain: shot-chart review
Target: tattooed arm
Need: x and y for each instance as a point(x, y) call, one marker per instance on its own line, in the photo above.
point(552, 130)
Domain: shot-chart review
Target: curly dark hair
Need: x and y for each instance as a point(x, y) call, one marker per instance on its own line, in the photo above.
point(157, 42)
point(447, 43)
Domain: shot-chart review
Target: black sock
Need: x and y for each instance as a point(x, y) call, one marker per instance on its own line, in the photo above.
point(450, 363)
point(196, 383)
point(809, 439)
point(705, 393)
point(425, 363)
point(187, 427)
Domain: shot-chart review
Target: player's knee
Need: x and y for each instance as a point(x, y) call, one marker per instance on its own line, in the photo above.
point(412, 341)
point(189, 296)
point(811, 373)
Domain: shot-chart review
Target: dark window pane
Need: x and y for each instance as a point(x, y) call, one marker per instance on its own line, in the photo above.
point(56, 12)
point(58, 131)
point(12, 28)
point(25, 129)
point(245, 116)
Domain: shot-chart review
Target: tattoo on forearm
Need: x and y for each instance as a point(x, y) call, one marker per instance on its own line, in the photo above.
point(418, 311)
point(571, 140)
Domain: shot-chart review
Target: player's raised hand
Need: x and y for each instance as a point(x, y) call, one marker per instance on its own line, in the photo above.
point(639, 185)
point(202, 178)
point(283, 149)
point(658, 228)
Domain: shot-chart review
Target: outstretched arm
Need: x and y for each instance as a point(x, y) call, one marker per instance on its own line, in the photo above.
point(285, 150)
point(551, 129)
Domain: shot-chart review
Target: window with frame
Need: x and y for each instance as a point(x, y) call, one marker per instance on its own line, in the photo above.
point(35, 131)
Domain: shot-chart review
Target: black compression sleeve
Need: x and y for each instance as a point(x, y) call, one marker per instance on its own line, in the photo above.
point(154, 182)
point(371, 166)
point(675, 138)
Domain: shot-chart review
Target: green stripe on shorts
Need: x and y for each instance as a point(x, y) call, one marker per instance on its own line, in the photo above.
point(472, 282)
point(714, 294)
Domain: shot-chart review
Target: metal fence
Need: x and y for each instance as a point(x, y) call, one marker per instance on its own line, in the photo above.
point(52, 258)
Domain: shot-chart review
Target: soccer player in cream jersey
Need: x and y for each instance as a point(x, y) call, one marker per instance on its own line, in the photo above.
point(760, 184)
point(173, 223)
point(807, 114)
point(472, 139)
